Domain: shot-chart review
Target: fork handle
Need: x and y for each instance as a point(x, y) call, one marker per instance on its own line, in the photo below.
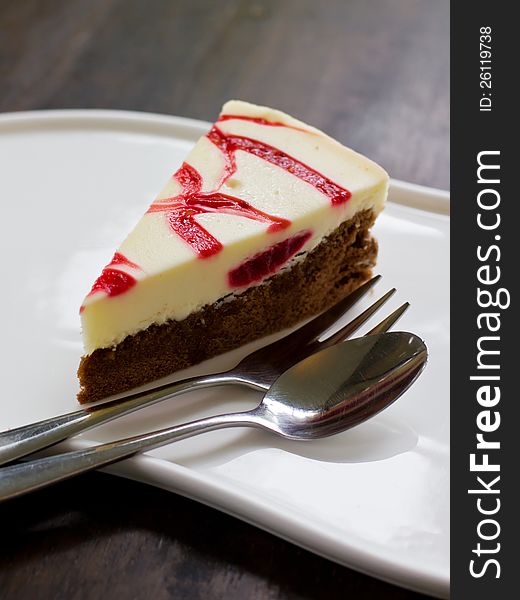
point(25, 477)
point(19, 442)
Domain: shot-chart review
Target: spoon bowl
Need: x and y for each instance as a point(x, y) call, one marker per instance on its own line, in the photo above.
point(342, 386)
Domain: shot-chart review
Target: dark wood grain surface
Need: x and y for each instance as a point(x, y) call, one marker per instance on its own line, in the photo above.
point(373, 73)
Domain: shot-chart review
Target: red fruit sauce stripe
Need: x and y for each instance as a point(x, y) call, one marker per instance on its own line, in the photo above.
point(260, 121)
point(182, 209)
point(267, 262)
point(112, 280)
point(228, 144)
point(120, 259)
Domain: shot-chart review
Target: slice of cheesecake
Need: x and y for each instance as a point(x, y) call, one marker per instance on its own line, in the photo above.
point(265, 223)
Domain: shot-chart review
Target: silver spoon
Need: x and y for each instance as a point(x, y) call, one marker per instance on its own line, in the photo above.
point(326, 393)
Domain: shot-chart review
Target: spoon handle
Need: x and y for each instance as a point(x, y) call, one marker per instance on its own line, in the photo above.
point(21, 441)
point(29, 476)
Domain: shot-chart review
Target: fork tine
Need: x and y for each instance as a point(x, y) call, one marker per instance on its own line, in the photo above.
point(313, 329)
point(347, 330)
point(390, 320)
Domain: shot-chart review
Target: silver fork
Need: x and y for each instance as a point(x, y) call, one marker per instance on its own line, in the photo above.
point(258, 370)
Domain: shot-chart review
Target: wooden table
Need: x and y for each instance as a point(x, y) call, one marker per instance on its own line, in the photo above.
point(375, 75)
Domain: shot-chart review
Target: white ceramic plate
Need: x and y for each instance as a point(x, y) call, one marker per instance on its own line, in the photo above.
point(374, 498)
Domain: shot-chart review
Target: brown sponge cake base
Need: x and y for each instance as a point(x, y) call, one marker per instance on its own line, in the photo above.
point(338, 265)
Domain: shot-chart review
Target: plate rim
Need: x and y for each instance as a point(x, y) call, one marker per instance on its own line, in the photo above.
point(159, 472)
point(140, 468)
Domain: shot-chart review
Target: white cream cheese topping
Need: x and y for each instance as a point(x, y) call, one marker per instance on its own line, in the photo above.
point(169, 274)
